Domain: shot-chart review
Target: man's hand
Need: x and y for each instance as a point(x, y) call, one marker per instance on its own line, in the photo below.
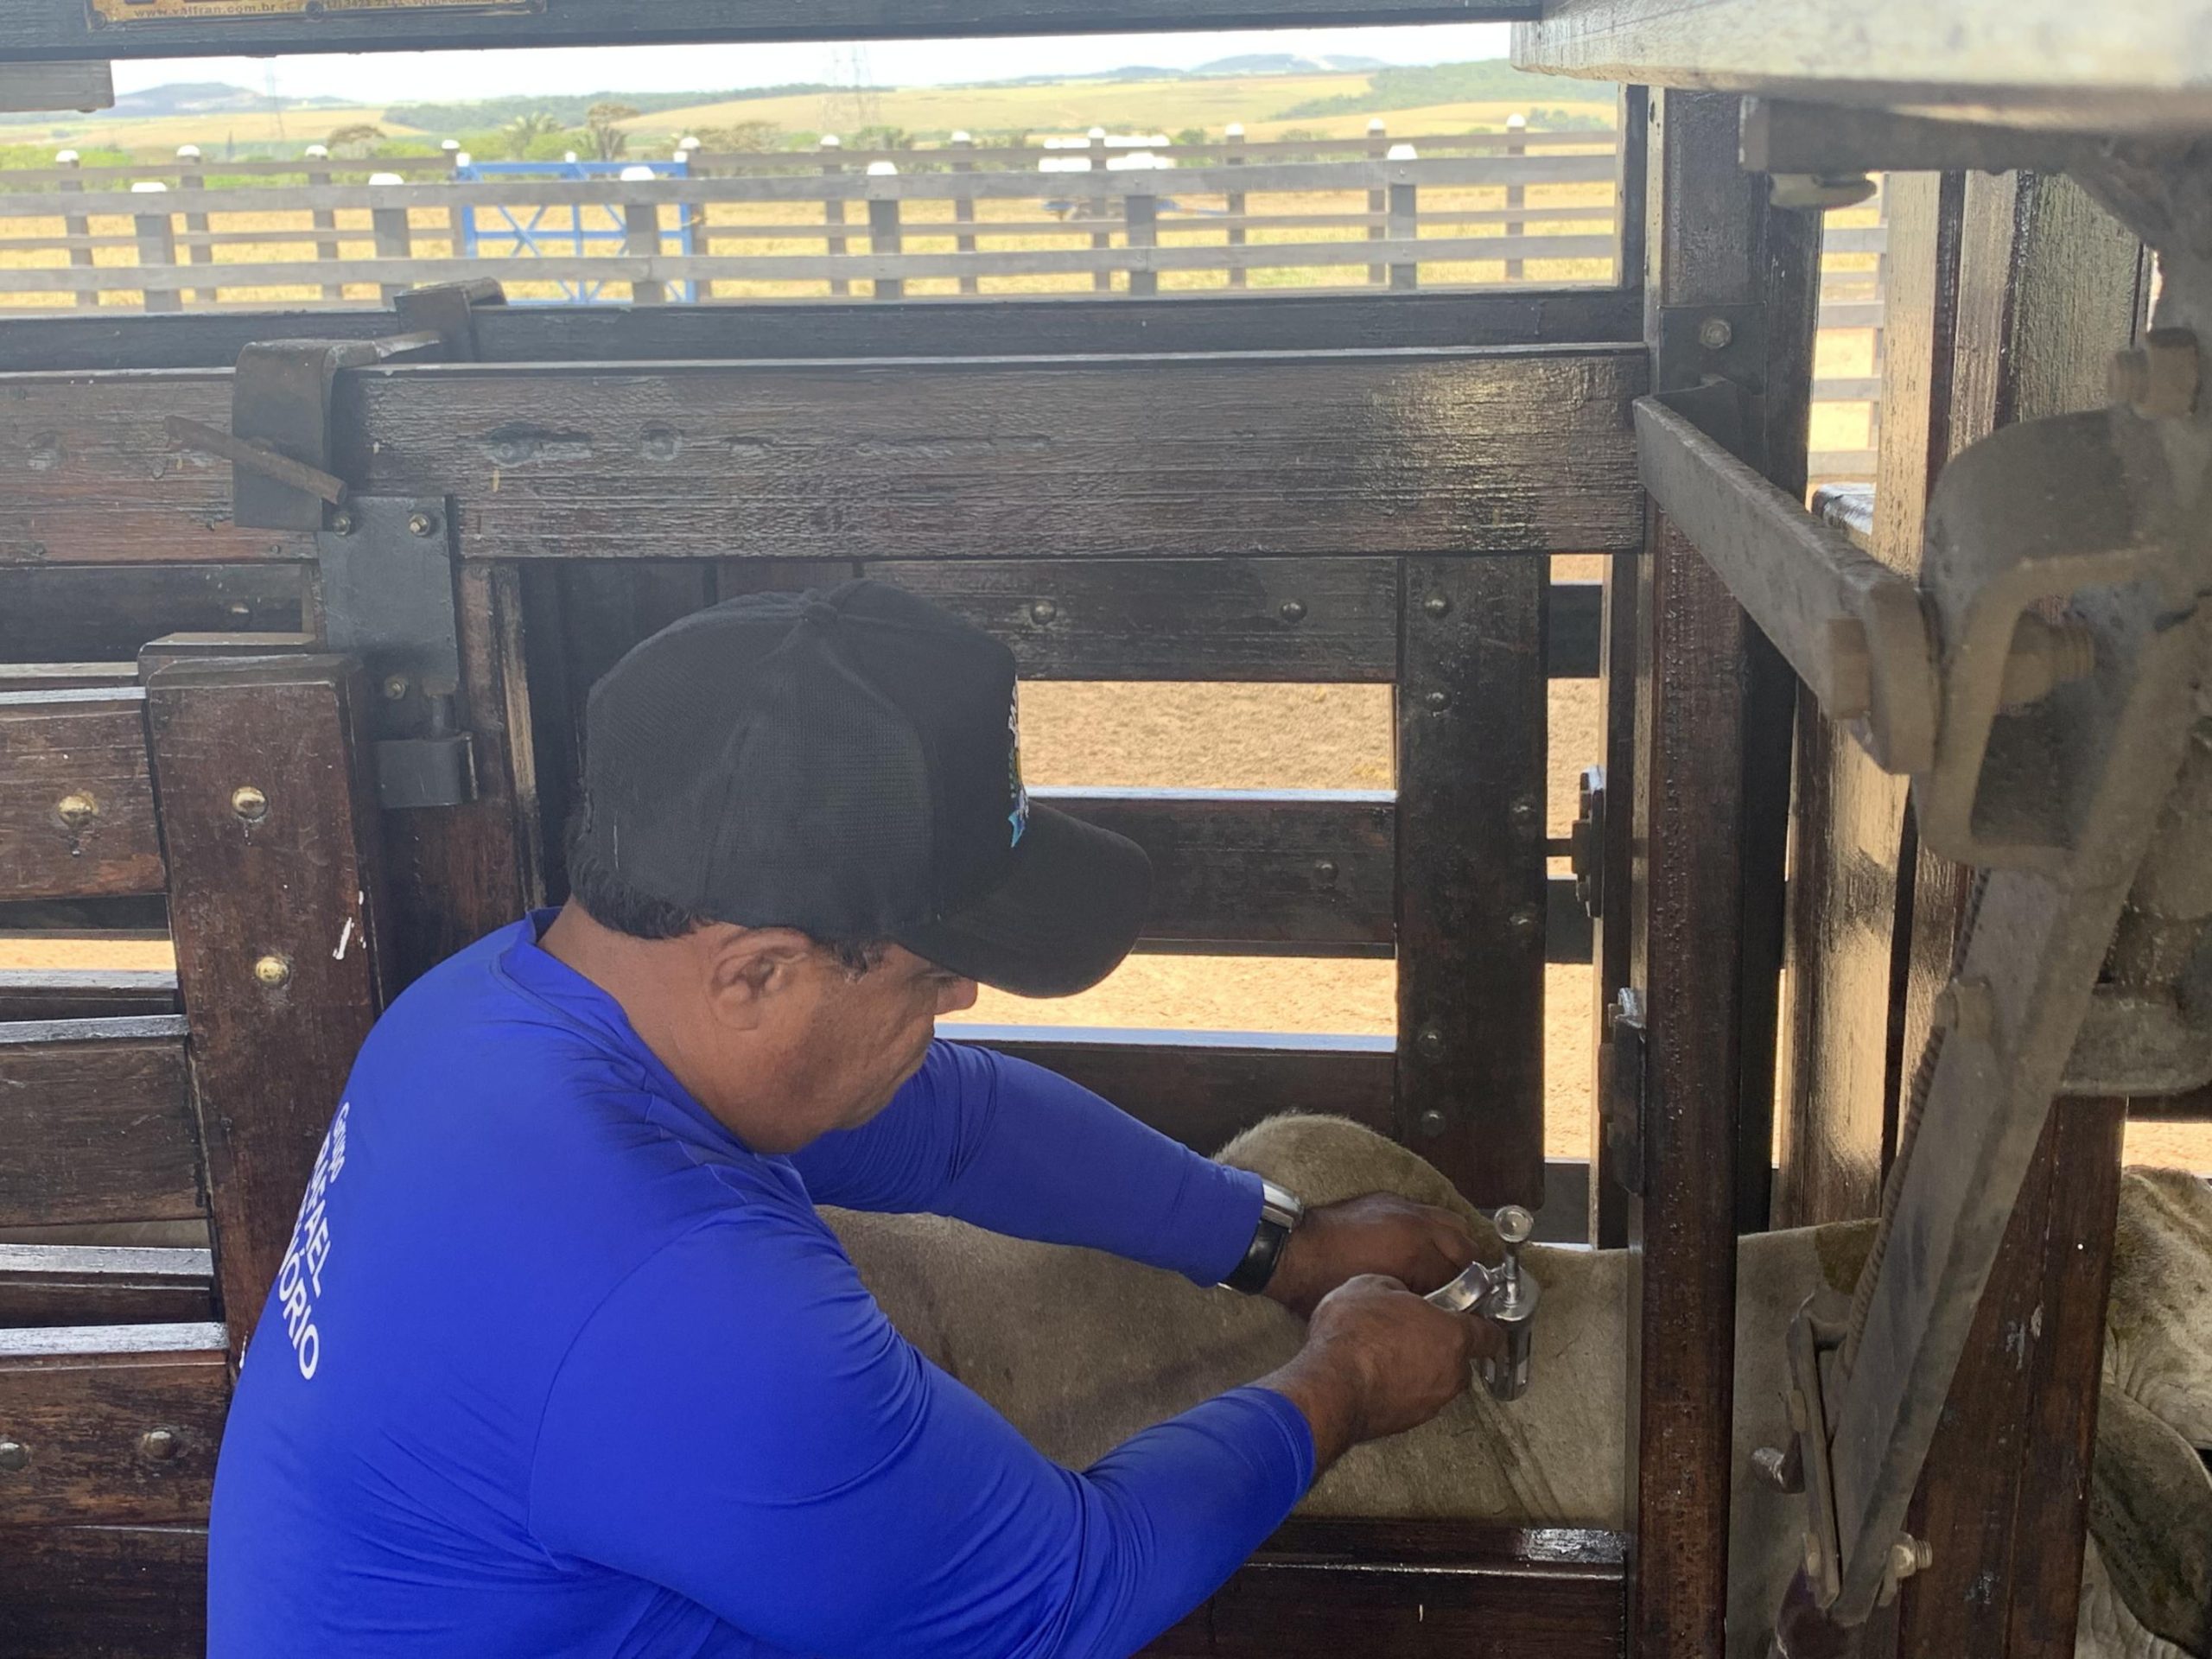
point(1419, 1246)
point(1378, 1360)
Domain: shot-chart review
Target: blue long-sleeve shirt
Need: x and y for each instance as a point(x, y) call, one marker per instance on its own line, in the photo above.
point(556, 1365)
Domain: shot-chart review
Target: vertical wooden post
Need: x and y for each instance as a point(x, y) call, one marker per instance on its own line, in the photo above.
point(1141, 217)
point(1516, 195)
point(833, 208)
point(1404, 224)
point(389, 228)
point(271, 828)
point(641, 237)
point(192, 182)
point(76, 223)
point(326, 219)
point(964, 212)
point(1378, 146)
point(1235, 137)
point(1471, 709)
point(883, 231)
point(1102, 280)
point(1708, 706)
point(156, 250)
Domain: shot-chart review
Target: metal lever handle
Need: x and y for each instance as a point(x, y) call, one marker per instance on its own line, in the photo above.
point(1505, 1295)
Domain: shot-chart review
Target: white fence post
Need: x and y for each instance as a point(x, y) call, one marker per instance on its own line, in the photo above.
point(74, 225)
point(388, 229)
point(1516, 145)
point(1234, 134)
point(156, 250)
point(1378, 201)
point(190, 177)
point(641, 237)
point(964, 212)
point(1140, 221)
point(325, 218)
point(833, 208)
point(1404, 221)
point(1102, 280)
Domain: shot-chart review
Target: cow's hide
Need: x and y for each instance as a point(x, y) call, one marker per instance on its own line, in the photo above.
point(1080, 1350)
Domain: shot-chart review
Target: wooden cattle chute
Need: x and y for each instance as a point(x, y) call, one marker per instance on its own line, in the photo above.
point(1327, 487)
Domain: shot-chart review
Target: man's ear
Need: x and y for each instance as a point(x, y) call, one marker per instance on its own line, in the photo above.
point(749, 966)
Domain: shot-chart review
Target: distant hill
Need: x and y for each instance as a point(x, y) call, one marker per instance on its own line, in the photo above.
point(1415, 86)
point(207, 97)
point(1285, 63)
point(569, 109)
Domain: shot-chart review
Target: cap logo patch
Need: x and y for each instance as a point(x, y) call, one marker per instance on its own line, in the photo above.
point(1019, 818)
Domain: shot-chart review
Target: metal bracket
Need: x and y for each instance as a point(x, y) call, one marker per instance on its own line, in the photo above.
point(1625, 1081)
point(448, 310)
point(1812, 1340)
point(1697, 342)
point(388, 597)
point(280, 408)
point(1587, 843)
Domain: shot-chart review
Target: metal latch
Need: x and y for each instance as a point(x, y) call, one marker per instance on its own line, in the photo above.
point(1585, 843)
point(1621, 1097)
point(1506, 1295)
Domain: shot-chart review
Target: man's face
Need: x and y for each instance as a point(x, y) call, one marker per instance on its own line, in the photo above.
point(844, 1042)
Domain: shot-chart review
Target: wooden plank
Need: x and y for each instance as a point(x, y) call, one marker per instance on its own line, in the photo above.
point(541, 334)
point(1610, 943)
point(42, 30)
point(88, 85)
point(81, 613)
point(1982, 60)
point(455, 874)
point(91, 1284)
point(82, 1399)
point(1470, 728)
point(17, 678)
point(1310, 620)
point(76, 802)
point(42, 993)
point(1240, 870)
point(1413, 1588)
point(279, 935)
point(89, 475)
point(97, 1115)
point(117, 1592)
point(1447, 452)
point(2004, 1497)
point(1205, 1087)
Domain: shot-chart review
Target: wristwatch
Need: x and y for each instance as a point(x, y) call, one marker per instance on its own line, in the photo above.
point(1280, 1214)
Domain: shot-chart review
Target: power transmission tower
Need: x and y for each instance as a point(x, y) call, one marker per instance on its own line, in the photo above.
point(855, 103)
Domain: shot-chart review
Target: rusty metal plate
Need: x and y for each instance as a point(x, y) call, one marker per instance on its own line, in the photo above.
point(109, 13)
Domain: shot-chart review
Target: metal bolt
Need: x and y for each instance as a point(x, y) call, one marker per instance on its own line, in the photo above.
point(274, 971)
point(240, 610)
point(1438, 701)
point(2046, 655)
point(76, 810)
point(1437, 605)
point(1812, 1556)
point(394, 687)
point(1909, 1555)
point(1325, 871)
point(2158, 378)
point(1526, 921)
point(160, 1443)
point(1524, 811)
point(1043, 611)
point(1432, 1123)
point(249, 804)
point(1430, 1042)
point(14, 1456)
point(421, 523)
point(1714, 334)
point(1291, 611)
point(342, 522)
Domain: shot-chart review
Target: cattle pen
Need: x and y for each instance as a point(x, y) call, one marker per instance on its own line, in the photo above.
point(315, 535)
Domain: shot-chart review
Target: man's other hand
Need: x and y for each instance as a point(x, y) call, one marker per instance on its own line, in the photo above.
point(1419, 1246)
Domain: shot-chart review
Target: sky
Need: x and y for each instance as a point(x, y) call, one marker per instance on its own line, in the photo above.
point(386, 77)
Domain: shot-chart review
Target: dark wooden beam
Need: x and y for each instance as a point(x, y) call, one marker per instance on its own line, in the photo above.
point(48, 29)
point(97, 1115)
point(1000, 327)
point(117, 1592)
point(275, 902)
point(63, 993)
point(93, 1284)
point(76, 803)
point(59, 613)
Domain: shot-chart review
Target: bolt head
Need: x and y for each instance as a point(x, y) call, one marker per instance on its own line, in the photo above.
point(1526, 921)
point(1438, 701)
point(1293, 611)
point(421, 523)
point(1437, 605)
point(274, 971)
point(249, 804)
point(1325, 871)
point(342, 522)
point(77, 811)
point(14, 1456)
point(1432, 1123)
point(1524, 810)
point(160, 1443)
point(1043, 611)
point(1515, 1224)
point(1430, 1042)
point(1714, 334)
point(394, 687)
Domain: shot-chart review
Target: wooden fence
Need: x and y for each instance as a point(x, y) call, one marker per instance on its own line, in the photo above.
point(1533, 206)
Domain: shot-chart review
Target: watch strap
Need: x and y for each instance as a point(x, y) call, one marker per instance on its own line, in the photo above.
point(1280, 1214)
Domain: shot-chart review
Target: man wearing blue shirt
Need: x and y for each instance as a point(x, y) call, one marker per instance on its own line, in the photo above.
point(562, 1360)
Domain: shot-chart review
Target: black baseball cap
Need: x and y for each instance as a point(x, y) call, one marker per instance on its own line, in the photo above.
point(848, 763)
